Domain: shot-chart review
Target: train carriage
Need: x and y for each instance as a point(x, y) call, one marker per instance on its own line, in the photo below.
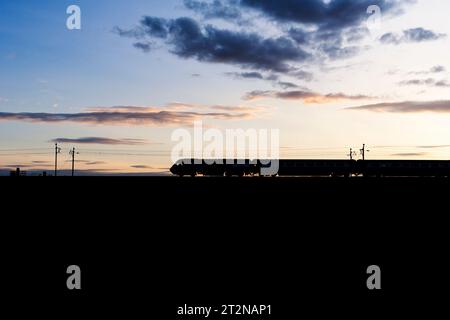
point(404, 168)
point(327, 168)
point(316, 167)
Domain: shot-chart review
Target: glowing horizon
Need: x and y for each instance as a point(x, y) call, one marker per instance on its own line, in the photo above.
point(116, 89)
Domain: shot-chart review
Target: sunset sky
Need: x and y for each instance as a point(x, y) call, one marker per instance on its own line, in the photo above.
point(317, 70)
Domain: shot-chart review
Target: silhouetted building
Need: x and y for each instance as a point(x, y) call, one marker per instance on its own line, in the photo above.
point(17, 173)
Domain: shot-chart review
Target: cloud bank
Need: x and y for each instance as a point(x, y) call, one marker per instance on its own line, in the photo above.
point(128, 116)
point(308, 31)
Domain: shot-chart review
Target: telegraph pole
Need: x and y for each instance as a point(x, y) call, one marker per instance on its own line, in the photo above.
point(72, 153)
point(57, 150)
point(363, 152)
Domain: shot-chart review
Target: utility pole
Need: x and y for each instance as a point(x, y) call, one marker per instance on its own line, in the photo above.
point(351, 154)
point(363, 151)
point(73, 153)
point(57, 150)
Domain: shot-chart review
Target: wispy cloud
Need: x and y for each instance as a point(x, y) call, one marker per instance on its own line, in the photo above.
point(428, 82)
point(411, 36)
point(141, 166)
point(128, 116)
point(435, 146)
point(273, 78)
point(412, 147)
point(409, 154)
point(88, 162)
point(245, 75)
point(287, 85)
point(214, 10)
point(434, 69)
point(307, 97)
point(101, 140)
point(441, 106)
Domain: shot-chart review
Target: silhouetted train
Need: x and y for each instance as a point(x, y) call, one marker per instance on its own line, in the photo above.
point(329, 168)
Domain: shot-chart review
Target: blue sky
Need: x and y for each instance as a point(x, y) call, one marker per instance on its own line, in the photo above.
point(47, 69)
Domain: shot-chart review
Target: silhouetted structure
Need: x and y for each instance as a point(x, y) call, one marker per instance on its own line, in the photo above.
point(17, 173)
point(57, 150)
point(73, 153)
point(318, 167)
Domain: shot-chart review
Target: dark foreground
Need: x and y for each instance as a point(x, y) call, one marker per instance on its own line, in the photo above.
point(148, 245)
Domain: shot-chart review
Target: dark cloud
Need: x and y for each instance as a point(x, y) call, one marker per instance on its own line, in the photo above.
point(300, 36)
point(302, 75)
point(141, 166)
point(137, 33)
point(245, 75)
point(434, 69)
point(334, 14)
point(411, 36)
point(187, 39)
point(442, 83)
point(155, 27)
point(100, 140)
point(287, 85)
point(307, 97)
point(215, 9)
point(437, 69)
point(88, 163)
point(130, 116)
point(310, 30)
point(95, 163)
point(336, 52)
point(417, 82)
point(329, 43)
point(274, 79)
point(356, 34)
point(421, 34)
point(441, 106)
point(144, 46)
point(241, 109)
